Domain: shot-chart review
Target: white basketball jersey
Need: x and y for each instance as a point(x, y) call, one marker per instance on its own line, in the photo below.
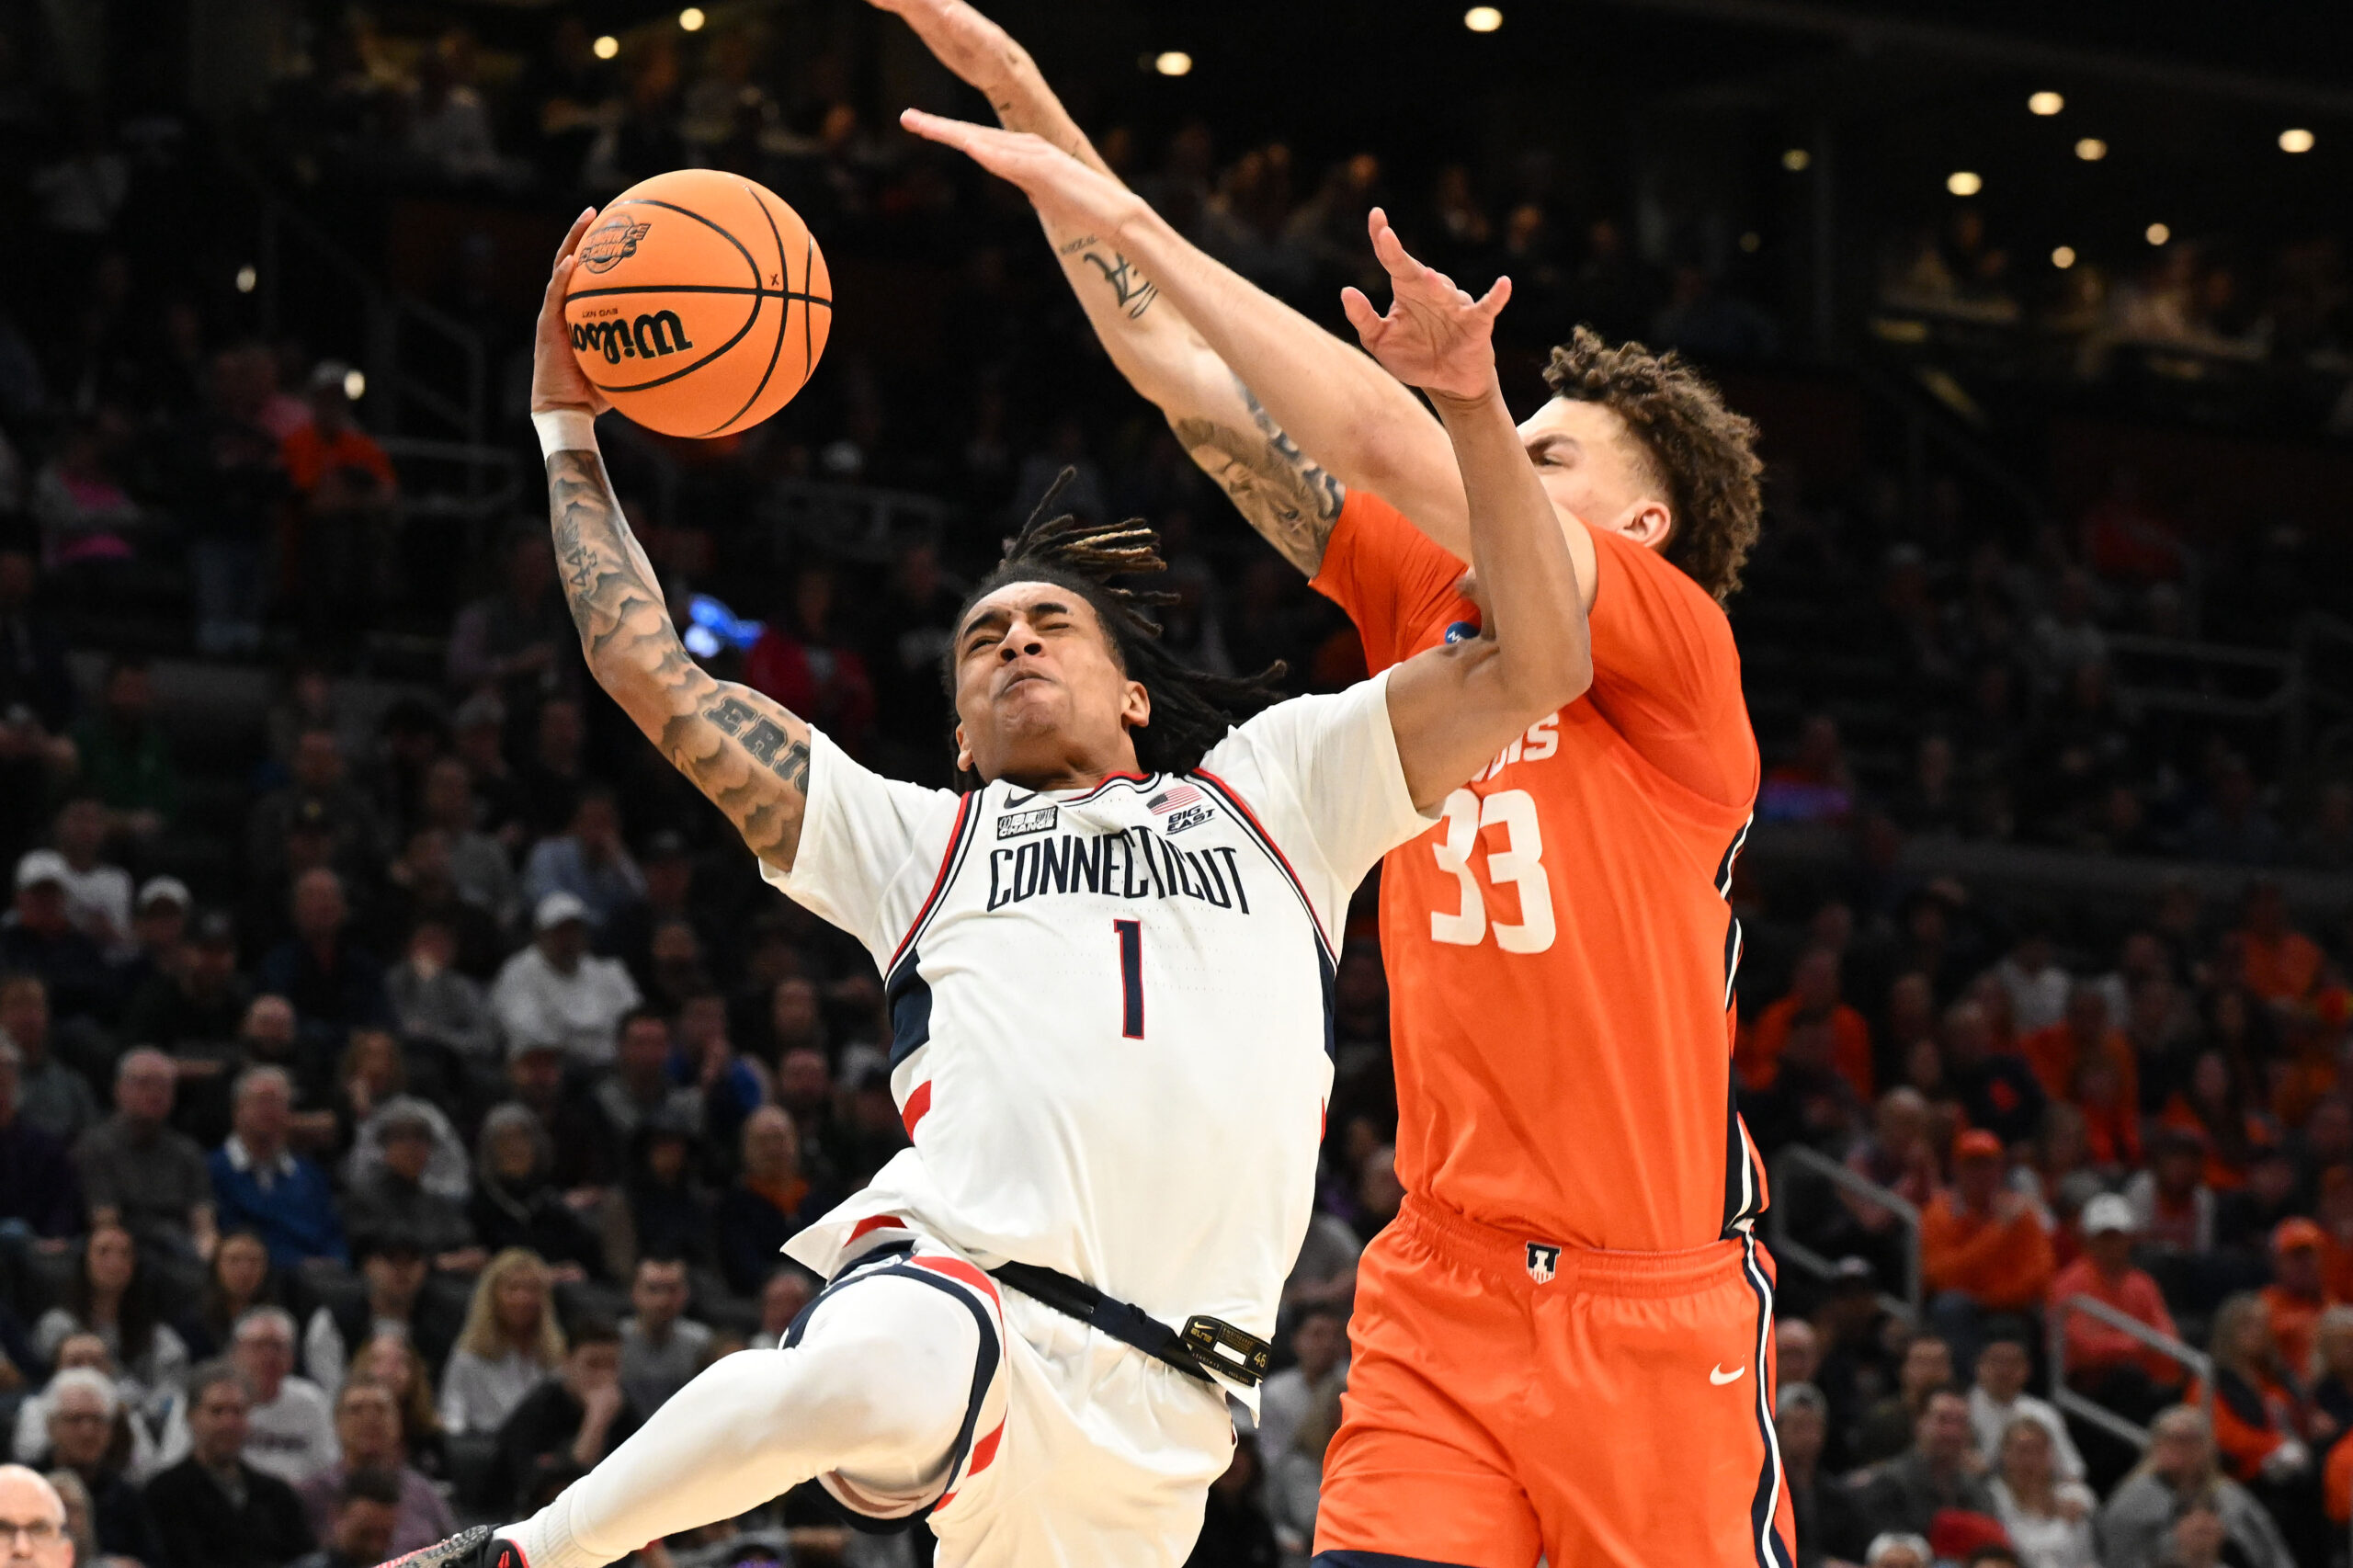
point(1111, 1009)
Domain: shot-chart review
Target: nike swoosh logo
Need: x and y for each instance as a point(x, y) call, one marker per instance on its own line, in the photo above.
point(1719, 1377)
point(1021, 800)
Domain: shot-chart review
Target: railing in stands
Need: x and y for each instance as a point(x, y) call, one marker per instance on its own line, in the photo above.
point(396, 328)
point(2271, 681)
point(2196, 1362)
point(1788, 1248)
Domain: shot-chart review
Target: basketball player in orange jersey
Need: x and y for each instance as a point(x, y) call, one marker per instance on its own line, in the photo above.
point(1563, 1346)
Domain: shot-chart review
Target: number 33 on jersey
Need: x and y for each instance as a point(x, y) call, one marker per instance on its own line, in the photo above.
point(1498, 838)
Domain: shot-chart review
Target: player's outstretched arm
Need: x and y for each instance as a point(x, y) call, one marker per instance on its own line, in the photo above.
point(1454, 709)
point(1282, 414)
point(744, 750)
point(1290, 500)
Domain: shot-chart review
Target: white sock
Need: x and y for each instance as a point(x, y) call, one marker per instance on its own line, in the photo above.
point(877, 1388)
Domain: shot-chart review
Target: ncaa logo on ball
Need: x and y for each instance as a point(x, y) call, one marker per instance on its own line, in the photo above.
point(612, 243)
point(1543, 1261)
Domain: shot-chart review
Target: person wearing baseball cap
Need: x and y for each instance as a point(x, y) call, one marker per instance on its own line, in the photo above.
point(2105, 1363)
point(1984, 1246)
point(2296, 1295)
point(557, 991)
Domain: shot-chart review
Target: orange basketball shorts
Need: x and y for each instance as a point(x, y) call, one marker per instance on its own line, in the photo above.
point(1511, 1399)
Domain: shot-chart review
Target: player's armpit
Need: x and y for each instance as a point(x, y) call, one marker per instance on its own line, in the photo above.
point(1291, 501)
point(744, 750)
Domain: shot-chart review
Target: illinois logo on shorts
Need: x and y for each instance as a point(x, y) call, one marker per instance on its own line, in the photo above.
point(1542, 1260)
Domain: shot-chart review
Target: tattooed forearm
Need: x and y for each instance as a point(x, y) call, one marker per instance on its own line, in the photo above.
point(742, 749)
point(1288, 498)
point(1132, 290)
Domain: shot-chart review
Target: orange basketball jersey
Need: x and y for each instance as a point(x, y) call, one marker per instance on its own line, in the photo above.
point(1561, 946)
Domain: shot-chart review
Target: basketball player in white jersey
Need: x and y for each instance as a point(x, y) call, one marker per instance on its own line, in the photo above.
point(1109, 967)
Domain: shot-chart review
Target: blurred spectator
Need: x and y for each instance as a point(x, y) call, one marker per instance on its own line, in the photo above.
point(2277, 961)
point(392, 1196)
point(82, 1407)
point(556, 992)
point(1905, 1495)
point(2038, 987)
point(1295, 1484)
point(434, 1003)
point(239, 1278)
point(130, 1442)
point(1822, 1509)
point(213, 1509)
point(335, 984)
point(422, 887)
point(589, 862)
point(367, 1433)
point(1984, 1248)
point(662, 1349)
point(447, 1169)
point(97, 895)
point(39, 943)
point(367, 1512)
point(769, 1203)
point(1890, 1426)
point(2172, 1205)
point(1995, 1087)
point(479, 867)
point(510, 1344)
point(37, 1186)
point(2255, 1403)
point(320, 799)
point(2084, 1035)
point(260, 1183)
point(290, 1428)
point(669, 1211)
point(2047, 1513)
point(2295, 1299)
point(36, 699)
point(112, 1295)
point(550, 780)
point(802, 662)
point(1897, 1549)
point(2178, 1473)
point(517, 1203)
point(392, 1359)
point(1998, 1399)
point(512, 642)
point(2218, 1107)
point(125, 757)
point(336, 544)
point(571, 1420)
point(1319, 1339)
point(196, 1001)
point(1813, 995)
point(393, 1264)
point(786, 1295)
point(139, 1173)
point(638, 1089)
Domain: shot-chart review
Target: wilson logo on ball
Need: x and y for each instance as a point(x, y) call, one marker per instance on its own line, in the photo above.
point(608, 245)
point(647, 337)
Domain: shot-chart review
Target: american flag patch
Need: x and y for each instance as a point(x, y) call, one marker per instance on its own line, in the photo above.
point(1169, 800)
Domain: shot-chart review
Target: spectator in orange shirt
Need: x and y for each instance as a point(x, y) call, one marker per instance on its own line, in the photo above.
point(2111, 1116)
point(2105, 1363)
point(339, 548)
point(2279, 963)
point(1814, 993)
point(1984, 1247)
point(2295, 1298)
point(2084, 1034)
point(2257, 1414)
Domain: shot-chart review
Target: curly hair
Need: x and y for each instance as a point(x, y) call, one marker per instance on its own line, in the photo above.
point(1192, 710)
point(1700, 454)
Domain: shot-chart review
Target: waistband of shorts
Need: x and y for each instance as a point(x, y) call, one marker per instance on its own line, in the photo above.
point(1514, 1257)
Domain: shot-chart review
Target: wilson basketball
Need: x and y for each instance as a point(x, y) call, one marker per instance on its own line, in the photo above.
point(700, 303)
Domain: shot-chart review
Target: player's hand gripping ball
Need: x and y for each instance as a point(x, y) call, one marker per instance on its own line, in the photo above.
point(699, 302)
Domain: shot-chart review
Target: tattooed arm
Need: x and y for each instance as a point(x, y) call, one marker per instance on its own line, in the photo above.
point(741, 748)
point(1289, 498)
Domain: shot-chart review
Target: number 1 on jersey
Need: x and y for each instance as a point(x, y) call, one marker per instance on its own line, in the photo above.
point(1131, 934)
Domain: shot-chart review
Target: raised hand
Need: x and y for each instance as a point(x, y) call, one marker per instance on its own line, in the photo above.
point(557, 380)
point(977, 49)
point(1436, 336)
point(1062, 189)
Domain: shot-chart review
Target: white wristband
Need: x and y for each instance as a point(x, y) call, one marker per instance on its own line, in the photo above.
point(565, 430)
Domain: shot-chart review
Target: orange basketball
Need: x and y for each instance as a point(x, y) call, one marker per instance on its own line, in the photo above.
point(700, 303)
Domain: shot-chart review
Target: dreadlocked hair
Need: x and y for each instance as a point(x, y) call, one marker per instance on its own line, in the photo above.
point(1192, 710)
point(1701, 454)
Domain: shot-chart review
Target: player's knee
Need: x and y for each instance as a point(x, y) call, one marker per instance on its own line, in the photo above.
point(880, 1371)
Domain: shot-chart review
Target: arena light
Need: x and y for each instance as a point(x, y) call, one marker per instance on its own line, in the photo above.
point(2045, 103)
point(2091, 149)
point(1964, 182)
point(1796, 159)
point(691, 19)
point(2296, 140)
point(2156, 233)
point(606, 46)
point(1173, 62)
point(246, 278)
point(355, 384)
point(2063, 257)
point(1483, 19)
